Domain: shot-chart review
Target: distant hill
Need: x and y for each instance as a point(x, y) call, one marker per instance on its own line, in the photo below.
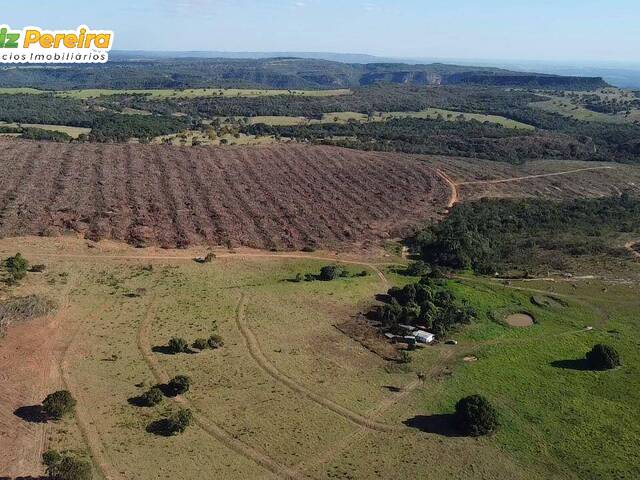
point(142, 71)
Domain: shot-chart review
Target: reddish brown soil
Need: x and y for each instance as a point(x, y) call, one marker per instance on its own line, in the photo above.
point(266, 197)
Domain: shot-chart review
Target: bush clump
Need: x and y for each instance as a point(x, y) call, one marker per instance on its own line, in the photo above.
point(178, 345)
point(17, 268)
point(201, 344)
point(475, 416)
point(215, 341)
point(58, 404)
point(330, 272)
point(64, 467)
point(179, 384)
point(151, 397)
point(172, 425)
point(603, 357)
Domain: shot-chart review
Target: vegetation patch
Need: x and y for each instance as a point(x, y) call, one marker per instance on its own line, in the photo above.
point(24, 308)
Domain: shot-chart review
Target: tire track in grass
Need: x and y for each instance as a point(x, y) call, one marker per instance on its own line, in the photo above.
point(263, 362)
point(209, 427)
point(362, 432)
point(91, 438)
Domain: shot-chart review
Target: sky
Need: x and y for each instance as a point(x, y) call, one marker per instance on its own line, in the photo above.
point(546, 30)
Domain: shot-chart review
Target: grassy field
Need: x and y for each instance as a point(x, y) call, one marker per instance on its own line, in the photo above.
point(570, 106)
point(274, 395)
point(430, 113)
point(189, 137)
point(180, 93)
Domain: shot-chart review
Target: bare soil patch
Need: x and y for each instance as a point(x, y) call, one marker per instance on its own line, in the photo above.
point(519, 320)
point(280, 196)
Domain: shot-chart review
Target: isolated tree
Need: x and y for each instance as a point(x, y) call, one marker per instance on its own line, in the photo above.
point(151, 397)
point(179, 384)
point(330, 272)
point(178, 345)
point(64, 467)
point(603, 357)
point(58, 404)
point(476, 416)
point(17, 266)
point(179, 421)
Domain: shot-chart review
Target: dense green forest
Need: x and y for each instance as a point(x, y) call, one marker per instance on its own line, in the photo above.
point(491, 236)
point(294, 73)
point(437, 137)
point(105, 126)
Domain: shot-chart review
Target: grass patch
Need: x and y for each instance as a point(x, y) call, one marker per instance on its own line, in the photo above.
point(24, 308)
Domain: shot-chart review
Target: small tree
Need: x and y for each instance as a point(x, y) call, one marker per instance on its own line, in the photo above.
point(58, 404)
point(603, 357)
point(330, 272)
point(476, 416)
point(179, 421)
point(178, 345)
point(64, 467)
point(17, 267)
point(179, 384)
point(151, 397)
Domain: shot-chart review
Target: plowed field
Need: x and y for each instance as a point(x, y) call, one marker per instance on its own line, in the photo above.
point(266, 197)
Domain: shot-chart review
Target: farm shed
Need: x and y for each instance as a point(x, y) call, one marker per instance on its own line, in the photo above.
point(424, 337)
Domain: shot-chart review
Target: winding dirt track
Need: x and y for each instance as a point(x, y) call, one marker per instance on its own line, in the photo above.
point(258, 355)
point(203, 422)
point(529, 177)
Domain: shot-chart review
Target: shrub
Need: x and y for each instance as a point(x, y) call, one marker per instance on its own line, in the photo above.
point(64, 467)
point(51, 458)
point(178, 422)
point(418, 269)
point(475, 416)
point(603, 357)
point(201, 344)
point(17, 266)
point(179, 384)
point(330, 272)
point(151, 397)
point(209, 257)
point(215, 341)
point(178, 345)
point(58, 404)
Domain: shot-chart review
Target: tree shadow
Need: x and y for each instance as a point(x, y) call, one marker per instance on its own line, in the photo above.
point(166, 350)
point(392, 388)
point(577, 364)
point(159, 427)
point(137, 401)
point(31, 413)
point(26, 478)
point(440, 424)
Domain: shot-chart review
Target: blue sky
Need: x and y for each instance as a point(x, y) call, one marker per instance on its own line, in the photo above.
point(551, 30)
